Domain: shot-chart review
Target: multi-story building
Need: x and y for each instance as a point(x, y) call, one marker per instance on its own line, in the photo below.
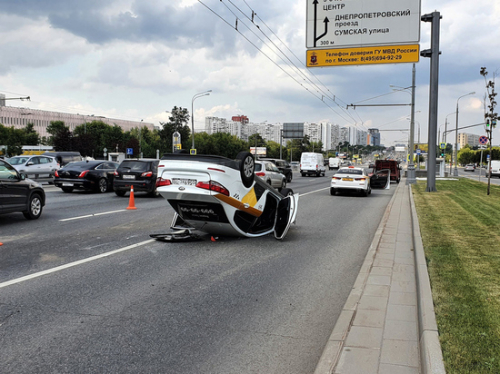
point(374, 138)
point(471, 139)
point(41, 119)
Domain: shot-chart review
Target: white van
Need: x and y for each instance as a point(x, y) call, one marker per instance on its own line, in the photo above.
point(312, 164)
point(333, 163)
point(495, 168)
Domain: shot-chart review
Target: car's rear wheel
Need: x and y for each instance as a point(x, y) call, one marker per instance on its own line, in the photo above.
point(34, 207)
point(332, 191)
point(67, 189)
point(247, 168)
point(283, 185)
point(102, 185)
point(120, 193)
point(290, 177)
point(153, 193)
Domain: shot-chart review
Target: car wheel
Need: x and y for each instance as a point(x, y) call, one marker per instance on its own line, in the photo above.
point(67, 189)
point(34, 207)
point(120, 193)
point(283, 185)
point(332, 191)
point(247, 168)
point(369, 190)
point(302, 174)
point(154, 193)
point(364, 193)
point(102, 185)
point(290, 177)
point(287, 192)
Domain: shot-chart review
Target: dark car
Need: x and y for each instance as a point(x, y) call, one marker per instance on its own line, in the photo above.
point(86, 175)
point(19, 194)
point(283, 166)
point(140, 173)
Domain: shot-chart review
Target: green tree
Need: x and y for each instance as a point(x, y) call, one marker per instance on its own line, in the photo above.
point(178, 121)
point(61, 138)
point(31, 136)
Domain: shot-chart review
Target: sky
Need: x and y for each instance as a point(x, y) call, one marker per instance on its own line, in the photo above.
point(136, 59)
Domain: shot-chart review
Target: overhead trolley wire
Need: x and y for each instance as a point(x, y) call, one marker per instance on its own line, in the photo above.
point(265, 54)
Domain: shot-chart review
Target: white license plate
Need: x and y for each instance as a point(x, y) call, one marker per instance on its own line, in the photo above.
point(127, 176)
point(67, 184)
point(184, 181)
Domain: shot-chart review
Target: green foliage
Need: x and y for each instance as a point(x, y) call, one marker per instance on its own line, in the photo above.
point(178, 121)
point(13, 139)
point(459, 225)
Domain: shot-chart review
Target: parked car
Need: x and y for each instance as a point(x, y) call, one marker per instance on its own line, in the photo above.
point(36, 166)
point(470, 167)
point(284, 167)
point(19, 194)
point(221, 196)
point(140, 173)
point(86, 175)
point(312, 164)
point(270, 174)
point(64, 158)
point(351, 178)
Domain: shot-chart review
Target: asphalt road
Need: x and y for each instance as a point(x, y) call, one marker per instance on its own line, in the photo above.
point(230, 306)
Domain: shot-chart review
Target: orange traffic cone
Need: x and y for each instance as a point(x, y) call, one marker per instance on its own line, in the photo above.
point(131, 202)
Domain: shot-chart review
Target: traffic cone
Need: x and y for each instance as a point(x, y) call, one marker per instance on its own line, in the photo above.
point(131, 202)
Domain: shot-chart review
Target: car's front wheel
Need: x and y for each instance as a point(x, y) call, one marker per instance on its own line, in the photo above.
point(34, 207)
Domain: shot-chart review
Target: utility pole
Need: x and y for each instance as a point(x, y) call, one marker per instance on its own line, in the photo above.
point(433, 53)
point(491, 117)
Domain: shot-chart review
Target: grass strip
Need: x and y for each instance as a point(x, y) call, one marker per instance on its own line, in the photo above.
point(460, 228)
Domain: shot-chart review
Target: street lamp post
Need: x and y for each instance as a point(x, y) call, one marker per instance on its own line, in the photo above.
point(192, 112)
point(455, 171)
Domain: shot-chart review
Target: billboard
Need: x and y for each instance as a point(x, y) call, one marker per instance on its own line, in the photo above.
point(293, 130)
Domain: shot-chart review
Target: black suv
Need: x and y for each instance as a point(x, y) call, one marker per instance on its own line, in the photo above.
point(284, 167)
point(140, 173)
point(18, 194)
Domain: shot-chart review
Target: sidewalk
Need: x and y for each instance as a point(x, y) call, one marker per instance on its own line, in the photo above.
point(387, 324)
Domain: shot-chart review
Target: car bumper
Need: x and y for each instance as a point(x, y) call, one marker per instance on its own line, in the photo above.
point(72, 183)
point(356, 186)
point(141, 186)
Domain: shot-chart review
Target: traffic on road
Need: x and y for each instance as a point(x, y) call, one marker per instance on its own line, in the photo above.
point(85, 283)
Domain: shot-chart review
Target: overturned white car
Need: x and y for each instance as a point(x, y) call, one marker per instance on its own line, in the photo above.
point(220, 196)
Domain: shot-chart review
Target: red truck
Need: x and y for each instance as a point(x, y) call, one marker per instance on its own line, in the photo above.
point(392, 165)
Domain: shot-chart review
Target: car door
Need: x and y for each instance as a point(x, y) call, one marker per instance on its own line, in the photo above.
point(46, 165)
point(285, 215)
point(13, 191)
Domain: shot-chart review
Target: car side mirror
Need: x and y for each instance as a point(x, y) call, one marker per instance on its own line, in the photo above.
point(29, 163)
point(22, 176)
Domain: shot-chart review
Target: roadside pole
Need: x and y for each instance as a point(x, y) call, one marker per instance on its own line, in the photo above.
point(433, 53)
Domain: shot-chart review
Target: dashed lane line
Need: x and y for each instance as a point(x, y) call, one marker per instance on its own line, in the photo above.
point(73, 264)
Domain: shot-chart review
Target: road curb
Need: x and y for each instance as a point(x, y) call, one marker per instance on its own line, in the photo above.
point(331, 353)
point(431, 356)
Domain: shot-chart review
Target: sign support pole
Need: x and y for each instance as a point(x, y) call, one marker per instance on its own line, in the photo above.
point(433, 53)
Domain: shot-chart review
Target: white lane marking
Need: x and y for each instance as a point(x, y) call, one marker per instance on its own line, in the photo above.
point(92, 215)
point(72, 264)
point(310, 192)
